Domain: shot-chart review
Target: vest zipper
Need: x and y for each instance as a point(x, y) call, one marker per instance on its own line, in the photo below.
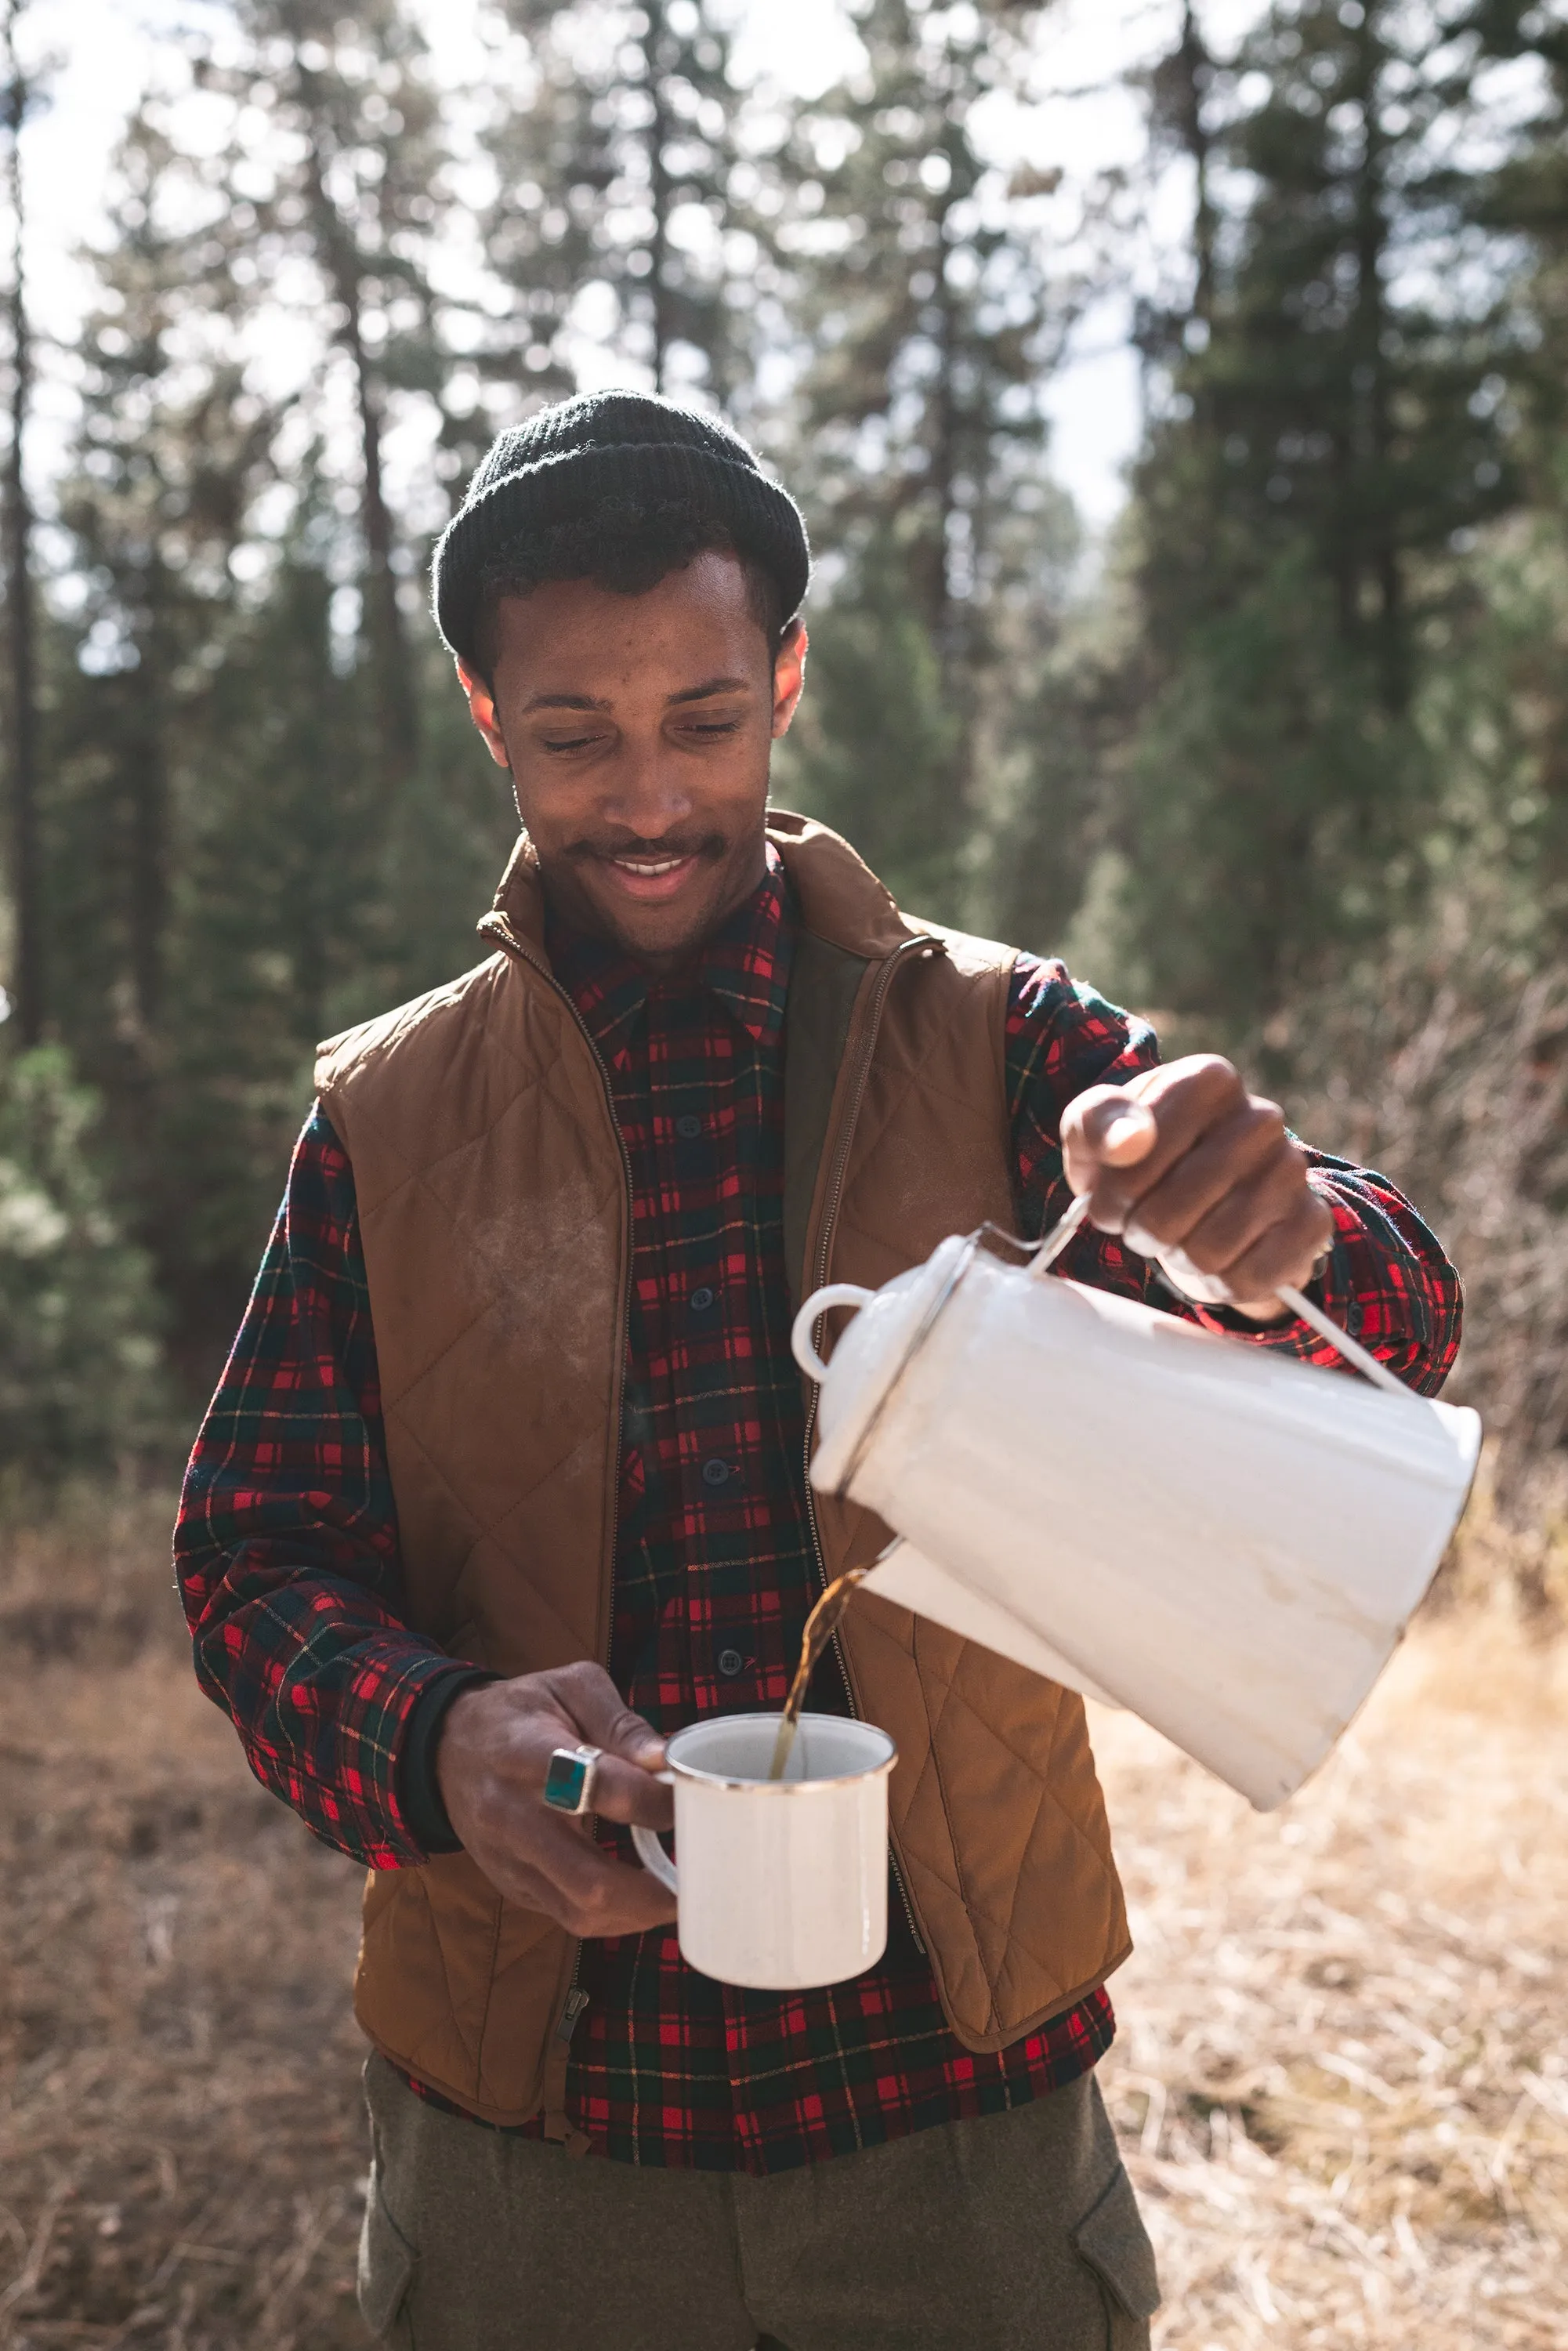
point(495, 925)
point(818, 1282)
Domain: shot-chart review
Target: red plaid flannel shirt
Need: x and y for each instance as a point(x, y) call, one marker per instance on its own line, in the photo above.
point(287, 1545)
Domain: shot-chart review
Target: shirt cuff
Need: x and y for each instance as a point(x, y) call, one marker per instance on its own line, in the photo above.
point(419, 1790)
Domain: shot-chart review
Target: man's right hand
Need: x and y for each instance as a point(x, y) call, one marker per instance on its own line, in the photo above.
point(495, 1746)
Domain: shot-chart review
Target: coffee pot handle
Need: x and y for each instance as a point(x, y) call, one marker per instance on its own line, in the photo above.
point(1326, 1328)
point(837, 1293)
point(1180, 1278)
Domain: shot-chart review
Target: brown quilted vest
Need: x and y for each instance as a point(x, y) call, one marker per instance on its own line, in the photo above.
point(493, 1201)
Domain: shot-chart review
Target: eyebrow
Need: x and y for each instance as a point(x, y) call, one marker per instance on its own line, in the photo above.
point(562, 702)
point(710, 686)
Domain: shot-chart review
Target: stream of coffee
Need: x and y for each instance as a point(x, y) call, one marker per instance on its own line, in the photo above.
point(821, 1626)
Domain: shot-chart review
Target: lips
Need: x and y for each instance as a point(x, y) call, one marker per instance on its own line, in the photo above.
point(649, 880)
point(648, 872)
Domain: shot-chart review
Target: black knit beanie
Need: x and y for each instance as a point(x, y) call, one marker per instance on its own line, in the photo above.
point(623, 449)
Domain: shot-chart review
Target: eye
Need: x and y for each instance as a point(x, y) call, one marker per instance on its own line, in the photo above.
point(714, 727)
point(569, 742)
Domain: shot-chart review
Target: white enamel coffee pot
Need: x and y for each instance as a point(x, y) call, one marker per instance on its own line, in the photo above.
point(1225, 1540)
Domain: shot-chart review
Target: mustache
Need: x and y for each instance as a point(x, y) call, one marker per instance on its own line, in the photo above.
point(710, 846)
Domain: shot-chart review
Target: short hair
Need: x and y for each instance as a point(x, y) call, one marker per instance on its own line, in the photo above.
point(627, 547)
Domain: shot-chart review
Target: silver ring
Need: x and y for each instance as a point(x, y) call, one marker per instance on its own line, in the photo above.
point(569, 1776)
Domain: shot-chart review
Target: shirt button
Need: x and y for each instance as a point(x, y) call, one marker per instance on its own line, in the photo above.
point(689, 1127)
point(702, 1300)
point(715, 1473)
point(730, 1662)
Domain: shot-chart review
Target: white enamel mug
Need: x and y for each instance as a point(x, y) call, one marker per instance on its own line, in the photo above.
point(782, 1884)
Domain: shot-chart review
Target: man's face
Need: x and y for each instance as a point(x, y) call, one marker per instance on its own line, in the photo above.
point(638, 730)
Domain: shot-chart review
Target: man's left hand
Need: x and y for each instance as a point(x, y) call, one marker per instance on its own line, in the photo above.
point(1183, 1162)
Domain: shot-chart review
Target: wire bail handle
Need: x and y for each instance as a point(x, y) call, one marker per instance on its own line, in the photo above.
point(1355, 1355)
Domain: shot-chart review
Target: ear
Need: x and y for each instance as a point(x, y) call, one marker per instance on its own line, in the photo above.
point(482, 711)
point(788, 678)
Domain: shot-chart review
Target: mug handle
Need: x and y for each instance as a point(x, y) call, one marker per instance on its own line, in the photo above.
point(837, 1293)
point(654, 1859)
point(651, 1852)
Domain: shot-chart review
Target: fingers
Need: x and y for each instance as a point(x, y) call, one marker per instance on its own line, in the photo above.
point(1217, 1224)
point(624, 1788)
point(567, 1879)
point(1189, 1166)
point(1114, 1126)
point(586, 1693)
point(1234, 1182)
point(494, 1751)
point(622, 1793)
point(595, 1894)
point(1286, 1252)
point(1118, 1142)
point(1267, 1229)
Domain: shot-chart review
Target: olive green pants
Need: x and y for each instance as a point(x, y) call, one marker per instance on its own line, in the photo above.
point(1015, 2234)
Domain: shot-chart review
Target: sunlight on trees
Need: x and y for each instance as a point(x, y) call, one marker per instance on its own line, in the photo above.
point(1273, 761)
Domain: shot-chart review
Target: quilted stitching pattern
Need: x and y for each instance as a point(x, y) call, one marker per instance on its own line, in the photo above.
point(481, 1147)
point(998, 1816)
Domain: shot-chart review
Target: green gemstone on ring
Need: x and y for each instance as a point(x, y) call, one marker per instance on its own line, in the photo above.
point(566, 1777)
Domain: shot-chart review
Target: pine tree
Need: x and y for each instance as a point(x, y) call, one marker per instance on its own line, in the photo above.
point(931, 322)
point(174, 450)
point(351, 91)
point(28, 911)
point(1525, 199)
point(1321, 437)
point(622, 169)
point(80, 1381)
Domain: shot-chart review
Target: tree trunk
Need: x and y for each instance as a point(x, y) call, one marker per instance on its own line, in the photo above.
point(1373, 525)
point(950, 613)
point(147, 794)
point(26, 883)
point(658, 188)
point(397, 710)
point(1196, 66)
point(395, 701)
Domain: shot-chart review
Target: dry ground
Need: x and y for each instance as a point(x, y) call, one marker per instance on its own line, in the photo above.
point(1342, 2076)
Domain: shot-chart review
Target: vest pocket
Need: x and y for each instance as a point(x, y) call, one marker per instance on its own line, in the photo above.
point(1113, 2242)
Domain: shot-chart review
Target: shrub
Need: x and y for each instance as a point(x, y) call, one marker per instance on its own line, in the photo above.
point(80, 1361)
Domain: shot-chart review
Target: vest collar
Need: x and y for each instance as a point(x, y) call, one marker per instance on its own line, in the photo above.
point(840, 898)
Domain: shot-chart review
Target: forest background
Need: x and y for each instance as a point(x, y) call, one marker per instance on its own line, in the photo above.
point(1281, 757)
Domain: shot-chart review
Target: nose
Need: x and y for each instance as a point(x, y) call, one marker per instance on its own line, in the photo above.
point(646, 792)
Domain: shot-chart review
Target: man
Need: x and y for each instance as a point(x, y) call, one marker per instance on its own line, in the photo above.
point(508, 1463)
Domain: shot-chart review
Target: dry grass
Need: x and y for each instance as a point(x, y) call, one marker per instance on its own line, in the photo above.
point(1342, 2076)
point(180, 2137)
point(1343, 2069)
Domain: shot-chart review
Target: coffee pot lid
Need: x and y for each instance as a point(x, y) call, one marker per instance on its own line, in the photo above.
point(872, 1352)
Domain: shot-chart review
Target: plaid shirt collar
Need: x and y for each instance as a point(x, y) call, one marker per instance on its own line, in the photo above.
point(746, 964)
